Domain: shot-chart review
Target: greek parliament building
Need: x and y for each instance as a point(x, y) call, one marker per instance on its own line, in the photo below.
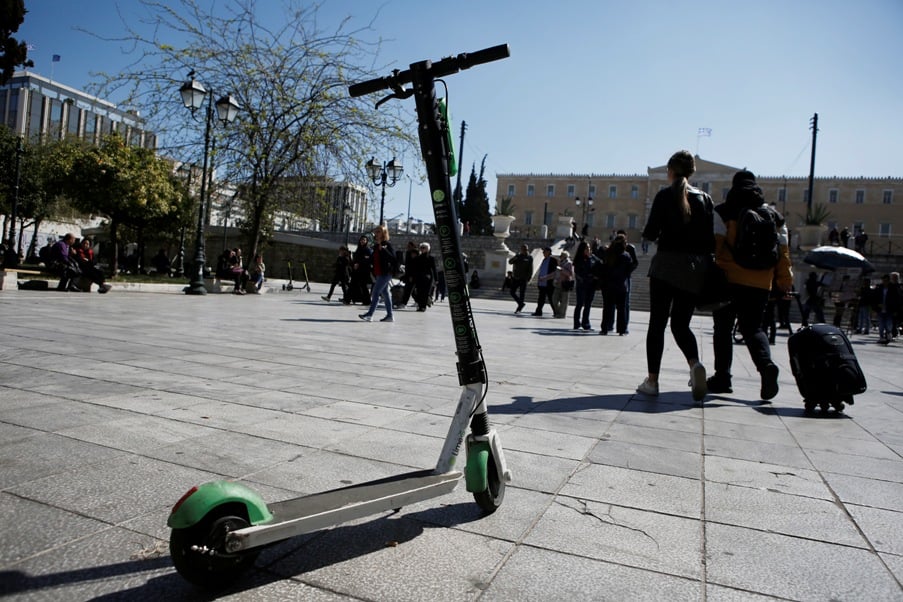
point(622, 201)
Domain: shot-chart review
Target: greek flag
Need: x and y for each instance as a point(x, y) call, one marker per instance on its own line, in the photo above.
point(704, 132)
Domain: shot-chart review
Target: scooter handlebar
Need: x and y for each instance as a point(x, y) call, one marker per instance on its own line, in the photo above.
point(445, 66)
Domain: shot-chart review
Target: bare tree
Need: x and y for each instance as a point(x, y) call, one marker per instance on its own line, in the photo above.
point(296, 119)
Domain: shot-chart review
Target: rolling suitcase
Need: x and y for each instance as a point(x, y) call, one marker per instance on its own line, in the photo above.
point(825, 367)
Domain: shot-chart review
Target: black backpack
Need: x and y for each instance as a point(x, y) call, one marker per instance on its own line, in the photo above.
point(756, 245)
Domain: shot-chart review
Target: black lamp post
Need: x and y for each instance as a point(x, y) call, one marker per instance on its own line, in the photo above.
point(586, 203)
point(12, 250)
point(384, 175)
point(193, 95)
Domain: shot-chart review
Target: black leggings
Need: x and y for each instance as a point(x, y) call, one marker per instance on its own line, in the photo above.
point(667, 301)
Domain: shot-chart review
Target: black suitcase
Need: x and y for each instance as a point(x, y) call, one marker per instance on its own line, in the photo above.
point(825, 367)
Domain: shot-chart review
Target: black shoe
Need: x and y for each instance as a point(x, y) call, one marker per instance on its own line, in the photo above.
point(769, 382)
point(520, 306)
point(719, 384)
point(537, 314)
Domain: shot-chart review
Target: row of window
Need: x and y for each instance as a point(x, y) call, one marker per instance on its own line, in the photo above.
point(887, 196)
point(572, 191)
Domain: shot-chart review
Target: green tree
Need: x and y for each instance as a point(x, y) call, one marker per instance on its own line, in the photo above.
point(44, 172)
point(476, 201)
point(296, 119)
point(130, 186)
point(15, 53)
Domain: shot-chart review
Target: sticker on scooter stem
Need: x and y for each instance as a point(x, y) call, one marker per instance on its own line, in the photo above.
point(438, 196)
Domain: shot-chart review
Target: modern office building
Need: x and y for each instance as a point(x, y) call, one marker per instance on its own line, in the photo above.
point(40, 110)
point(622, 201)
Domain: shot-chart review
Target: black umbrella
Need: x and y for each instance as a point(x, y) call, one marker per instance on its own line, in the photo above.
point(832, 258)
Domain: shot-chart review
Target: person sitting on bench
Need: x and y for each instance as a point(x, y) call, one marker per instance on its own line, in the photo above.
point(62, 261)
point(84, 254)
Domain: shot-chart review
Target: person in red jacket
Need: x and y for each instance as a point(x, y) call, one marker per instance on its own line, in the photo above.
point(748, 289)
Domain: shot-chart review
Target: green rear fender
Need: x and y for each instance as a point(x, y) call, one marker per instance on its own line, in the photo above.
point(199, 501)
point(476, 473)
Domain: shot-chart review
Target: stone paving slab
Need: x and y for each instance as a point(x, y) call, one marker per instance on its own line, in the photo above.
point(111, 406)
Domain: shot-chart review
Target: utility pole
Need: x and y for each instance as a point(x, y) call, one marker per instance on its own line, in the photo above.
point(458, 195)
point(814, 127)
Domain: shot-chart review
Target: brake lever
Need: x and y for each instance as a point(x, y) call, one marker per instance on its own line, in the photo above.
point(399, 92)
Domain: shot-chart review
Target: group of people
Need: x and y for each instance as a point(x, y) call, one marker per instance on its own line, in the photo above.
point(688, 228)
point(230, 266)
point(595, 267)
point(881, 302)
point(73, 260)
point(365, 276)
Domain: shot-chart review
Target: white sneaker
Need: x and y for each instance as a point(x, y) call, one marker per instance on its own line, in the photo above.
point(697, 381)
point(365, 317)
point(648, 388)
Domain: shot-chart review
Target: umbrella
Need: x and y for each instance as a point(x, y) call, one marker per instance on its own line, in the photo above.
point(832, 258)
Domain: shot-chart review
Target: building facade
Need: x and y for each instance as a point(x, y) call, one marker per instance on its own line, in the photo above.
point(622, 201)
point(40, 110)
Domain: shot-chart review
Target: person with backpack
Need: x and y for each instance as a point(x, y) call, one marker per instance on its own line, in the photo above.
point(751, 246)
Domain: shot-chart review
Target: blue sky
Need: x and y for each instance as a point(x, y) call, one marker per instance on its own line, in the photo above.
point(606, 86)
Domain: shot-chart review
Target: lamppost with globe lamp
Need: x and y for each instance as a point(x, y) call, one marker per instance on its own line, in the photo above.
point(193, 95)
point(586, 203)
point(384, 175)
point(11, 260)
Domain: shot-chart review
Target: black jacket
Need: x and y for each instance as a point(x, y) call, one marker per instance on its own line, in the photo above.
point(666, 226)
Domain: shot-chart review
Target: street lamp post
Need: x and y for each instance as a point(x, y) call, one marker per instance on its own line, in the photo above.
point(384, 175)
point(586, 203)
point(11, 260)
point(193, 95)
point(784, 198)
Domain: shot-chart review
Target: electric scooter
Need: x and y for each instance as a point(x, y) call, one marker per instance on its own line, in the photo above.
point(218, 528)
point(290, 285)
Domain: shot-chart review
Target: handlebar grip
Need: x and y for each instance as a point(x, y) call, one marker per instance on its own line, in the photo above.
point(487, 55)
point(369, 86)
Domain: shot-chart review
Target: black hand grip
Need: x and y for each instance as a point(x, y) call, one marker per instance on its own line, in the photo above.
point(487, 55)
point(375, 85)
point(446, 66)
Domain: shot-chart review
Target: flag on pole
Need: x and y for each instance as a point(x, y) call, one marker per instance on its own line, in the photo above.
point(56, 58)
point(704, 132)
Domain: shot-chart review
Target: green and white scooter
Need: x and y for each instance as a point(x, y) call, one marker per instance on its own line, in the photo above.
point(218, 528)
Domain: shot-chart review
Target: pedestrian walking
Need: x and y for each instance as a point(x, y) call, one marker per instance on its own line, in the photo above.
point(750, 268)
point(680, 223)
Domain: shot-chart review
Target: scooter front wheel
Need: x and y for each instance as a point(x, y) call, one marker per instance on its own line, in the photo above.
point(491, 489)
point(199, 552)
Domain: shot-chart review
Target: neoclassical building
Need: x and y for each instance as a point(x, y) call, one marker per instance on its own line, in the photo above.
point(622, 201)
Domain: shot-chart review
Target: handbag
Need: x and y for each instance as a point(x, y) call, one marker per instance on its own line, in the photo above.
point(714, 294)
point(683, 271)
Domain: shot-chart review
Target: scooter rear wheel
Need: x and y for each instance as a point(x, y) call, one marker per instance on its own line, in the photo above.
point(199, 552)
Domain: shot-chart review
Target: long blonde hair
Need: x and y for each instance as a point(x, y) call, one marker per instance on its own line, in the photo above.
point(683, 165)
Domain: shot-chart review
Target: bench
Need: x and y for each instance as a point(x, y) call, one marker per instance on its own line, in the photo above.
point(9, 279)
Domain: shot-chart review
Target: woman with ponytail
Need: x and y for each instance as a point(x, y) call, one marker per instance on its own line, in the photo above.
point(681, 224)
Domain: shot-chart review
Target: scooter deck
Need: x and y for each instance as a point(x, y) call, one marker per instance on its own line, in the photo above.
point(320, 510)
